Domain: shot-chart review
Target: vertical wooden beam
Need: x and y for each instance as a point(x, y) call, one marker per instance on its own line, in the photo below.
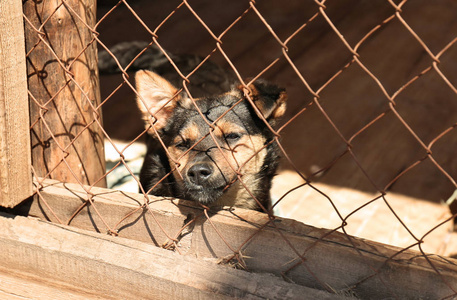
point(15, 162)
point(67, 141)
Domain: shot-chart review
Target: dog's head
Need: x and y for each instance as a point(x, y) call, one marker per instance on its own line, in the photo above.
point(217, 146)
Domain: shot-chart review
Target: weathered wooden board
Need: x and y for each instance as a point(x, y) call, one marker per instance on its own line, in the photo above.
point(67, 139)
point(21, 285)
point(372, 269)
point(65, 259)
point(15, 162)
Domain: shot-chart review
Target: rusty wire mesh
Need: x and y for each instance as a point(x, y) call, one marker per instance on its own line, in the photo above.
point(313, 96)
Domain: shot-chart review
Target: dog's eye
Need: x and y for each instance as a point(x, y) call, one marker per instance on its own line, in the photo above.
point(232, 137)
point(183, 144)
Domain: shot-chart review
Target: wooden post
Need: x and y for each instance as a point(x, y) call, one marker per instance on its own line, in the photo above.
point(15, 163)
point(67, 141)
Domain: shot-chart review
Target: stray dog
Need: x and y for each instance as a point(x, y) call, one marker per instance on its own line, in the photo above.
point(215, 149)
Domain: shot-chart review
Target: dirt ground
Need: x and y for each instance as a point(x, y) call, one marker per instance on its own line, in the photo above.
point(384, 154)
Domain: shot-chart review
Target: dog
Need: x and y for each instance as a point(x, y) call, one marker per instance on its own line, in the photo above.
point(217, 149)
point(214, 150)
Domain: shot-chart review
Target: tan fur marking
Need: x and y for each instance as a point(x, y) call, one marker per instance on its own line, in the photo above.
point(224, 127)
point(191, 133)
point(247, 158)
point(234, 93)
point(177, 155)
point(280, 106)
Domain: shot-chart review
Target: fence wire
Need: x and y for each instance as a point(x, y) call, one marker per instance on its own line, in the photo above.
point(313, 96)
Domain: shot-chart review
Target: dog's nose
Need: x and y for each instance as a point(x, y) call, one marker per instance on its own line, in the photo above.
point(199, 174)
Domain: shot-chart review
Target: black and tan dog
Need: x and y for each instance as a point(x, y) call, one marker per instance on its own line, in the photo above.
point(215, 150)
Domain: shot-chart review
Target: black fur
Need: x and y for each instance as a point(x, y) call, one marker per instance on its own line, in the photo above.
point(209, 79)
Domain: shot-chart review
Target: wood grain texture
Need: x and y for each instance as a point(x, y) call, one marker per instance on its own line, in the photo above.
point(86, 263)
point(15, 162)
point(67, 141)
point(22, 285)
point(374, 270)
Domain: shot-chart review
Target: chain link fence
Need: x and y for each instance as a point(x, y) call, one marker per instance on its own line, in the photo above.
point(366, 143)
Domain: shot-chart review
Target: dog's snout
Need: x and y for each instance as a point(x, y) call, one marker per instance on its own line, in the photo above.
point(199, 174)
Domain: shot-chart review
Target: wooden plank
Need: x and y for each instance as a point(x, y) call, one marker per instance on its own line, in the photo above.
point(15, 171)
point(372, 270)
point(117, 268)
point(64, 88)
point(20, 286)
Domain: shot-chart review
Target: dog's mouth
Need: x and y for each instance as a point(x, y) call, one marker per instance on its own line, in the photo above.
point(204, 195)
point(205, 184)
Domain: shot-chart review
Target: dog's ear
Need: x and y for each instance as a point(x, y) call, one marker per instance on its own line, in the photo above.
point(268, 98)
point(157, 98)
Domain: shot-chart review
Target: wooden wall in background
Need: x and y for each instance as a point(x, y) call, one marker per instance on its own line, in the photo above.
point(353, 100)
